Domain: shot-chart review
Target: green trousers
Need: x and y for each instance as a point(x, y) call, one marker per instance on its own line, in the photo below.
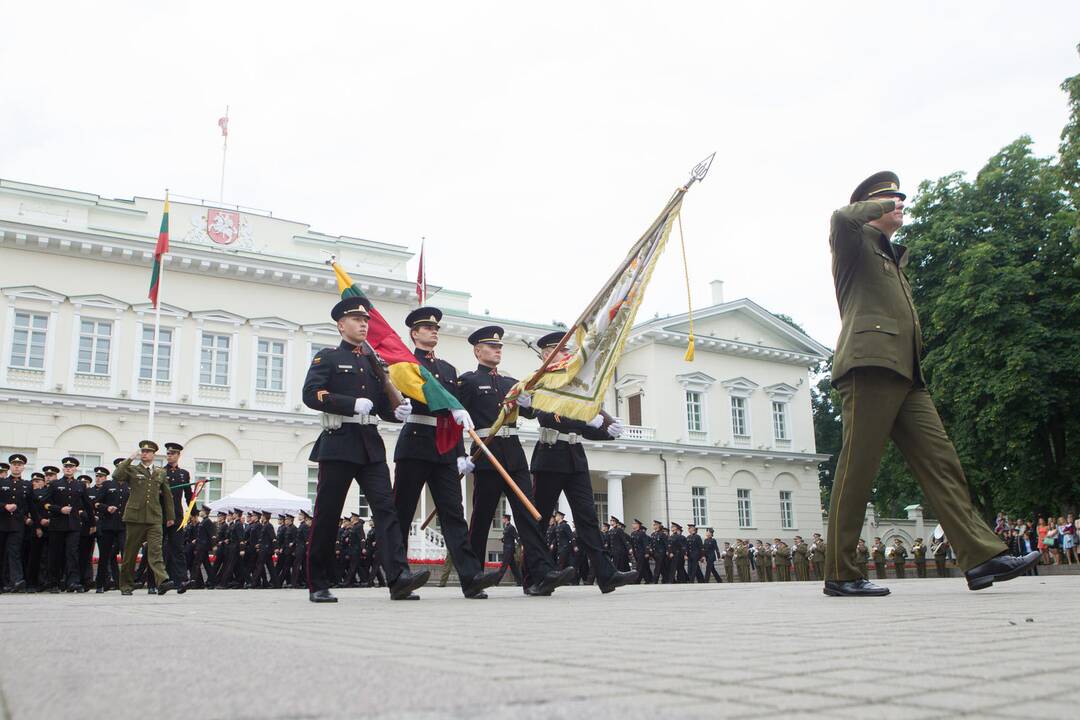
point(878, 404)
point(137, 533)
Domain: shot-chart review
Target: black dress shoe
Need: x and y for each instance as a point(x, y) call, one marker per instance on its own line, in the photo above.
point(55, 590)
point(151, 591)
point(406, 582)
point(854, 588)
point(99, 590)
point(552, 580)
point(999, 569)
point(474, 589)
point(166, 587)
point(77, 589)
point(19, 587)
point(125, 592)
point(182, 588)
point(321, 596)
point(629, 577)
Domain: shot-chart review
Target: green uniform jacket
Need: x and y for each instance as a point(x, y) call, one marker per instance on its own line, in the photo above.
point(800, 554)
point(149, 492)
point(879, 325)
point(783, 555)
point(862, 556)
point(919, 552)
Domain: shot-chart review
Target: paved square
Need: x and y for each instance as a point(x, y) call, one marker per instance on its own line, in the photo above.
point(931, 650)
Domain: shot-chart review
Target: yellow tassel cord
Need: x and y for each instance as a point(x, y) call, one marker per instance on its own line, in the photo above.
point(689, 356)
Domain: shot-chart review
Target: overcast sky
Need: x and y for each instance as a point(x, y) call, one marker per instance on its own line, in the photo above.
point(533, 142)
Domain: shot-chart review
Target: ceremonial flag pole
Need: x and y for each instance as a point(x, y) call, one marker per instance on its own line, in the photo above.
point(156, 276)
point(223, 123)
point(421, 278)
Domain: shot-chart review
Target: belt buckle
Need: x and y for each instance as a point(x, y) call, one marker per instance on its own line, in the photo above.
point(548, 436)
point(573, 438)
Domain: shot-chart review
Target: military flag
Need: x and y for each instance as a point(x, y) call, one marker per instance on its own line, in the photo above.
point(160, 251)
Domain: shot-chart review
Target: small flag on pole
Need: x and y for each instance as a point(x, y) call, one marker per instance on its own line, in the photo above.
point(159, 252)
point(421, 278)
point(223, 123)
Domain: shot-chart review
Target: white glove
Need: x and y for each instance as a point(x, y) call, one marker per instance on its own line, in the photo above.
point(465, 465)
point(615, 429)
point(403, 411)
point(363, 406)
point(596, 421)
point(461, 417)
point(524, 400)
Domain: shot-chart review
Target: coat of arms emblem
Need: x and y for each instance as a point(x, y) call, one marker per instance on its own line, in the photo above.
point(223, 226)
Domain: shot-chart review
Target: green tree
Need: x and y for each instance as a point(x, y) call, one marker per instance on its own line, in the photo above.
point(828, 430)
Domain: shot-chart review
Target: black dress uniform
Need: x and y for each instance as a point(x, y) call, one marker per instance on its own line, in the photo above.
point(712, 553)
point(64, 530)
point(299, 568)
point(695, 548)
point(640, 544)
point(564, 546)
point(676, 569)
point(205, 534)
point(173, 545)
point(509, 548)
point(660, 549)
point(481, 392)
point(619, 546)
point(87, 531)
point(13, 513)
point(37, 560)
point(112, 498)
point(336, 379)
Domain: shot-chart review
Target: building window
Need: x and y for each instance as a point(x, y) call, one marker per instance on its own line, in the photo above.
point(87, 462)
point(270, 471)
point(600, 500)
point(214, 364)
point(495, 556)
point(700, 501)
point(312, 483)
point(780, 421)
point(95, 337)
point(363, 507)
point(28, 341)
point(317, 348)
point(738, 417)
point(746, 517)
point(787, 510)
point(270, 365)
point(146, 353)
point(633, 409)
point(212, 471)
point(694, 421)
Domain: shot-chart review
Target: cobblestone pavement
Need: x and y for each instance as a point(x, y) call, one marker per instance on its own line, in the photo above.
point(933, 649)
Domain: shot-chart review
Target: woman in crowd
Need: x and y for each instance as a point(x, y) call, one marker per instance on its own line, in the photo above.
point(1066, 531)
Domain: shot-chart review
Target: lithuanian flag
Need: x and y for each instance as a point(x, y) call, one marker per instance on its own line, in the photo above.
point(410, 377)
point(159, 253)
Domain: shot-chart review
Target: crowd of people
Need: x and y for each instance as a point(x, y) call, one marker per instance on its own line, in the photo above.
point(1057, 540)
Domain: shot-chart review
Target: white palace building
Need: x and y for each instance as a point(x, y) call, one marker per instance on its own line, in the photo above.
point(727, 441)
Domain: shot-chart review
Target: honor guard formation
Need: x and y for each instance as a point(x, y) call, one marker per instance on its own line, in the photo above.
point(52, 521)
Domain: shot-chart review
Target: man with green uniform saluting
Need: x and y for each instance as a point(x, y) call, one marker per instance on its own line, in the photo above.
point(142, 516)
point(877, 373)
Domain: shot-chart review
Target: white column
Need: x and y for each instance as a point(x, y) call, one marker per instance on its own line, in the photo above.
point(615, 494)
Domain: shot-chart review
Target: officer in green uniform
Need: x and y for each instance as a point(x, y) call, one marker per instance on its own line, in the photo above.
point(817, 556)
point(877, 372)
point(728, 555)
point(742, 561)
point(941, 556)
point(762, 560)
point(143, 515)
point(802, 562)
point(918, 552)
point(899, 558)
point(862, 557)
point(878, 552)
point(782, 554)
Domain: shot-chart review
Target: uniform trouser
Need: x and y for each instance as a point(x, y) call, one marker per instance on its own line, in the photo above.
point(11, 556)
point(762, 571)
point(201, 562)
point(136, 534)
point(744, 571)
point(86, 559)
point(878, 404)
point(693, 570)
point(231, 568)
point(33, 562)
point(802, 571)
point(579, 493)
point(880, 569)
point(644, 571)
point(710, 571)
point(410, 476)
point(106, 541)
point(863, 571)
point(769, 571)
point(621, 560)
point(447, 569)
point(509, 562)
point(488, 488)
point(942, 570)
point(354, 569)
point(579, 558)
point(729, 571)
point(783, 573)
point(174, 554)
point(283, 569)
point(920, 569)
point(64, 558)
point(819, 570)
point(335, 478)
point(676, 570)
point(898, 568)
point(298, 570)
point(264, 575)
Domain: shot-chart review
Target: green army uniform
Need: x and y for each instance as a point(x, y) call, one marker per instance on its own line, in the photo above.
point(729, 564)
point(941, 556)
point(883, 395)
point(143, 518)
point(763, 558)
point(783, 562)
point(862, 559)
point(817, 559)
point(802, 563)
point(899, 559)
point(918, 552)
point(879, 562)
point(742, 562)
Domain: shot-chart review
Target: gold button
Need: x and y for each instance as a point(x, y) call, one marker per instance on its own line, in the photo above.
point(878, 327)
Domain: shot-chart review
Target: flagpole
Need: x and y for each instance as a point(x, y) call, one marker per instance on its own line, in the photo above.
point(224, 153)
point(157, 335)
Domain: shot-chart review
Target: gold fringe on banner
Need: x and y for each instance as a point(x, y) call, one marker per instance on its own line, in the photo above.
point(689, 356)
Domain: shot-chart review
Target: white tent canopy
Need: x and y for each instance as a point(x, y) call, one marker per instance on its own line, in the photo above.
point(258, 494)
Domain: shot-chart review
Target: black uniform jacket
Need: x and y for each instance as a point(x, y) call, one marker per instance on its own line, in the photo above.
point(481, 392)
point(562, 457)
point(63, 492)
point(417, 442)
point(336, 378)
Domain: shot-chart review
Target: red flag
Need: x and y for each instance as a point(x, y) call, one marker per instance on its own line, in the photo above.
point(223, 123)
point(421, 278)
point(160, 250)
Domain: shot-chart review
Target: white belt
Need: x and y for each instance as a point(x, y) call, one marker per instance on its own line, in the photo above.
point(550, 436)
point(361, 419)
point(502, 432)
point(422, 420)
